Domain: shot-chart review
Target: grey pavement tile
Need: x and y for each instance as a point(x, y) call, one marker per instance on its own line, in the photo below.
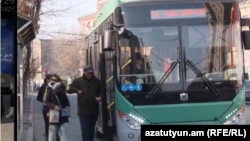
point(26, 111)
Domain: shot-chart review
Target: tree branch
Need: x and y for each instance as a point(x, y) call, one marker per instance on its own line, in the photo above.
point(54, 12)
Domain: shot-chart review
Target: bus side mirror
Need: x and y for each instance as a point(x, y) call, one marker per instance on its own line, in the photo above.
point(110, 40)
point(246, 39)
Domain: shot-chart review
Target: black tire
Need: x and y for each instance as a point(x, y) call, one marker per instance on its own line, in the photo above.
point(98, 135)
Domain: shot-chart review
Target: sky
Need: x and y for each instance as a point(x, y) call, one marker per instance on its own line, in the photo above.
point(63, 21)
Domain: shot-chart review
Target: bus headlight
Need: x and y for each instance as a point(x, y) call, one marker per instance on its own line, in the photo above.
point(236, 117)
point(132, 121)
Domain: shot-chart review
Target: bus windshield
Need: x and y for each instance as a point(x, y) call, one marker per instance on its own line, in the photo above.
point(149, 52)
point(152, 50)
point(198, 47)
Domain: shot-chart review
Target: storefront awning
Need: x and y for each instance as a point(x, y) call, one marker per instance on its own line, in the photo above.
point(25, 30)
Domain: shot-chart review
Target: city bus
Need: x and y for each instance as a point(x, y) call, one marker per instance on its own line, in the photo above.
point(168, 62)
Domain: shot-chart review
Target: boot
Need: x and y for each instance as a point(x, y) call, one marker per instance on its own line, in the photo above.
point(11, 113)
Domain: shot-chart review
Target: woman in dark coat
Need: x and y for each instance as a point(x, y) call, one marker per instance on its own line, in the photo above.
point(57, 99)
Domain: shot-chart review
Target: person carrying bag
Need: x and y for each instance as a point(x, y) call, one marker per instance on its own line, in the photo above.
point(64, 112)
point(58, 103)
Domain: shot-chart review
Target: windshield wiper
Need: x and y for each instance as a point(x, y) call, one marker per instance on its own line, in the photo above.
point(162, 80)
point(200, 74)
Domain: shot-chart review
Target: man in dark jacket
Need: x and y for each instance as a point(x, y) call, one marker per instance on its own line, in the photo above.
point(88, 89)
point(41, 98)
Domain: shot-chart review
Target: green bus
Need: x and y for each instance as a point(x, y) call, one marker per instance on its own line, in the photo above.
point(168, 62)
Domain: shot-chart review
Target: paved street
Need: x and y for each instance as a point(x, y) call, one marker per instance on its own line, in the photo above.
point(7, 126)
point(248, 113)
point(74, 127)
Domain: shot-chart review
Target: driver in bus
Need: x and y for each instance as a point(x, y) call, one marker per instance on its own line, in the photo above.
point(138, 63)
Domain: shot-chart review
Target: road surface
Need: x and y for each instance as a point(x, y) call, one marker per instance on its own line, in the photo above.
point(74, 127)
point(248, 113)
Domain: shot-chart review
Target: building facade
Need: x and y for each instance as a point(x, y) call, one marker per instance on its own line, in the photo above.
point(86, 24)
point(100, 4)
point(62, 57)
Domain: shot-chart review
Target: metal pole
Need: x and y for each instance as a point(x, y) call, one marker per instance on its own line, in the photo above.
point(18, 119)
point(21, 91)
point(18, 90)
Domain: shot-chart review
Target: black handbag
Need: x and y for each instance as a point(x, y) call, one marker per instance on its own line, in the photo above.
point(63, 112)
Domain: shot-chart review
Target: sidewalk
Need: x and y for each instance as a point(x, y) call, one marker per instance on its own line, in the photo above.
point(7, 133)
point(27, 105)
point(7, 125)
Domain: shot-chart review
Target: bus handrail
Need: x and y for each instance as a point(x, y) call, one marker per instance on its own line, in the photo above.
point(138, 75)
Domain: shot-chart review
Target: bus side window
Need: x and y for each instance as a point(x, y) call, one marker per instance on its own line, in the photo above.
point(96, 56)
point(90, 57)
point(87, 57)
point(93, 56)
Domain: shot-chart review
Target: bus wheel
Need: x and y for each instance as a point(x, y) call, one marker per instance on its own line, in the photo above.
point(98, 135)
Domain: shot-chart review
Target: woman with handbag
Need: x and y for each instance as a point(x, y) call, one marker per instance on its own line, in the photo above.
point(59, 105)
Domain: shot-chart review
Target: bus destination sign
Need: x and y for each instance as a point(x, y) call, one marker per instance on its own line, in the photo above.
point(177, 14)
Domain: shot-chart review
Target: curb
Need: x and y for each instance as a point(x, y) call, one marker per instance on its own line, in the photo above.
point(30, 129)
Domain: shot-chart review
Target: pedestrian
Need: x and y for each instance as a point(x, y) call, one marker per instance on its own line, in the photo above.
point(88, 89)
point(34, 86)
point(41, 98)
point(12, 99)
point(57, 100)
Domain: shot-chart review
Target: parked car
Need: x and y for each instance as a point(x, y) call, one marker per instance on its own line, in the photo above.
point(247, 89)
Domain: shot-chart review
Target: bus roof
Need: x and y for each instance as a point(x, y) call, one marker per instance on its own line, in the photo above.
point(104, 13)
point(109, 8)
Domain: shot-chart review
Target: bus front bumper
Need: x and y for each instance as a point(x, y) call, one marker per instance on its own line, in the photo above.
point(124, 133)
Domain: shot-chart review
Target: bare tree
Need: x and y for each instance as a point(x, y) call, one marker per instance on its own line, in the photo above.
point(35, 63)
point(68, 53)
point(33, 9)
point(70, 58)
